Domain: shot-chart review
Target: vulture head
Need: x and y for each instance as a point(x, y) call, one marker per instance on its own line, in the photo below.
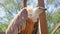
point(33, 13)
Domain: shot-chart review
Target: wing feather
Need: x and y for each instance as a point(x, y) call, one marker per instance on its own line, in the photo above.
point(18, 23)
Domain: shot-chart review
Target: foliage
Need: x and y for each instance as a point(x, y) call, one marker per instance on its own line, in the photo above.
point(53, 14)
point(3, 27)
point(11, 8)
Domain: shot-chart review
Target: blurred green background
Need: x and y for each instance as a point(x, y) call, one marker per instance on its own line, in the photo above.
point(9, 8)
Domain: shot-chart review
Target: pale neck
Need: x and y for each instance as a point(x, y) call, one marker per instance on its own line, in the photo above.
point(34, 17)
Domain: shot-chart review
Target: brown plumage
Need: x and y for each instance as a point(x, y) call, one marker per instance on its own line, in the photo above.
point(25, 22)
point(18, 23)
point(31, 27)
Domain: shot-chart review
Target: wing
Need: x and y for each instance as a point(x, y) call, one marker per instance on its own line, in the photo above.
point(18, 23)
point(23, 19)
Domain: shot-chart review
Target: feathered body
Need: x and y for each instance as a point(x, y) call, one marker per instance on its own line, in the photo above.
point(25, 22)
point(32, 22)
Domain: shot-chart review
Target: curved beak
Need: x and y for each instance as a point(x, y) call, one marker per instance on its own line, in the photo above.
point(41, 8)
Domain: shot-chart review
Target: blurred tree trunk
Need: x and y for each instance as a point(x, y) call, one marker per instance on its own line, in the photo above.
point(43, 22)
